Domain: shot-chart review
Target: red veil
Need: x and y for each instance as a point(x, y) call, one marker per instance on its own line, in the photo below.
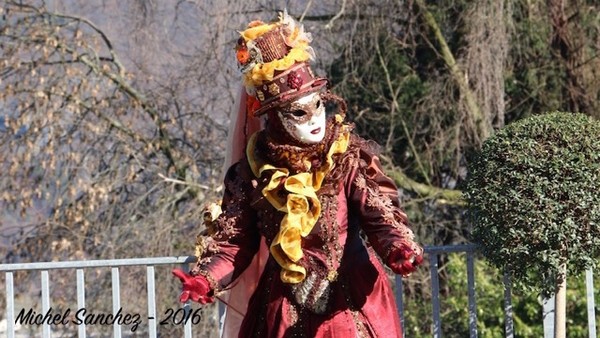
point(243, 124)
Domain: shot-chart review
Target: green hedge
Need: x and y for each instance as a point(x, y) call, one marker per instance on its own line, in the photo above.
point(534, 197)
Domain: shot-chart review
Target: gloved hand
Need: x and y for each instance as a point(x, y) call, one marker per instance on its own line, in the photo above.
point(195, 288)
point(404, 261)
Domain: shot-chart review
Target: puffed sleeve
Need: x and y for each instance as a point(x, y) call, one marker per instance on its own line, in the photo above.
point(374, 197)
point(226, 253)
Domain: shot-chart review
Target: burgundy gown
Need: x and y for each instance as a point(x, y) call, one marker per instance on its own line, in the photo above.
point(346, 292)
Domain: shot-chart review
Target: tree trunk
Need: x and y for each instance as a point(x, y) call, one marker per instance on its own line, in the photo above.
point(560, 304)
point(484, 127)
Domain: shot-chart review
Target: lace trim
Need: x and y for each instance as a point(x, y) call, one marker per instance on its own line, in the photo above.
point(206, 247)
point(297, 158)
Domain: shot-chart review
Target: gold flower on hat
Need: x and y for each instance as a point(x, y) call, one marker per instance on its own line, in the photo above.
point(273, 89)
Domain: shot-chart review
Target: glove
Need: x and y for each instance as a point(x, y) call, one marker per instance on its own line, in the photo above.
point(195, 288)
point(404, 261)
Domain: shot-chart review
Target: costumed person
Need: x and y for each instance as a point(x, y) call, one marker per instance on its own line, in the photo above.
point(309, 188)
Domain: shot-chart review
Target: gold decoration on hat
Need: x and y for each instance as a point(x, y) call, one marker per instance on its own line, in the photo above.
point(273, 89)
point(291, 34)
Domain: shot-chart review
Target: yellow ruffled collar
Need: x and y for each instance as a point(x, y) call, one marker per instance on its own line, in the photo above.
point(300, 204)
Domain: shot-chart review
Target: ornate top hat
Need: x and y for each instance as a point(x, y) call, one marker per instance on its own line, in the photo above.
point(274, 60)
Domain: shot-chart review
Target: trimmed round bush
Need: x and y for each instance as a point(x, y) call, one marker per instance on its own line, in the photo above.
point(534, 198)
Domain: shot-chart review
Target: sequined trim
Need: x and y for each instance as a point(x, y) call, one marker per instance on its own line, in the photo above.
point(313, 293)
point(362, 330)
point(329, 233)
point(293, 315)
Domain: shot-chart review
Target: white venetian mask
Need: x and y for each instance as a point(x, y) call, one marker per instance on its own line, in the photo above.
point(304, 119)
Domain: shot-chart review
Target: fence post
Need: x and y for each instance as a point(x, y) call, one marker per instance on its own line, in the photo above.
point(508, 312)
point(151, 301)
point(116, 298)
point(400, 301)
point(46, 330)
point(471, 293)
point(81, 300)
point(548, 316)
point(435, 295)
point(591, 304)
point(10, 305)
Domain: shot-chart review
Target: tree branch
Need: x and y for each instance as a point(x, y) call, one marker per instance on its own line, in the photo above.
point(443, 196)
point(337, 16)
point(483, 128)
point(164, 138)
point(394, 92)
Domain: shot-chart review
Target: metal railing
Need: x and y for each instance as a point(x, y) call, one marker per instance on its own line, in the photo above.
point(433, 252)
point(79, 266)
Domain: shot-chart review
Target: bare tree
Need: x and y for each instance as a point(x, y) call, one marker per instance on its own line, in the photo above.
point(100, 162)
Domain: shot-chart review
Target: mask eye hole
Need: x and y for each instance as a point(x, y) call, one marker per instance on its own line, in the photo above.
point(298, 113)
point(318, 105)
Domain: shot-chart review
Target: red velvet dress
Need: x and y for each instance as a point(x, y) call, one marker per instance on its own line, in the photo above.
point(346, 292)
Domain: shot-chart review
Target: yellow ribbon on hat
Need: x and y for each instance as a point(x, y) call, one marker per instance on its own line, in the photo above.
point(301, 205)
